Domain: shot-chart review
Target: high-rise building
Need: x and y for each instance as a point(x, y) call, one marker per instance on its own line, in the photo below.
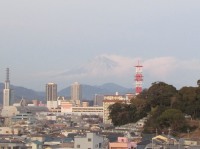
point(51, 95)
point(7, 90)
point(76, 93)
point(98, 100)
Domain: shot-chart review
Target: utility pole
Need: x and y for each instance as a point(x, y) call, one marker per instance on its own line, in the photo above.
point(188, 131)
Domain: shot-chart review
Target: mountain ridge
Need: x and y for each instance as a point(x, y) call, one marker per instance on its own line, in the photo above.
point(88, 91)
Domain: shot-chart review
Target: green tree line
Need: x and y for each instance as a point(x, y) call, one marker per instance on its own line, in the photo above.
point(164, 105)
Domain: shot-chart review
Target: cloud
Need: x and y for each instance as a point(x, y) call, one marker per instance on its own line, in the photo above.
point(190, 64)
point(160, 67)
point(163, 67)
point(117, 66)
point(120, 69)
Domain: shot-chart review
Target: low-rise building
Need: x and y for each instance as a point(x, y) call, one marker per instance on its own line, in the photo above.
point(9, 131)
point(9, 111)
point(122, 143)
point(34, 145)
point(90, 141)
point(67, 107)
point(11, 144)
point(87, 110)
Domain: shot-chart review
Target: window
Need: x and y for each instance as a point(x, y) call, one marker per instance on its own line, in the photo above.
point(78, 146)
point(99, 145)
point(89, 139)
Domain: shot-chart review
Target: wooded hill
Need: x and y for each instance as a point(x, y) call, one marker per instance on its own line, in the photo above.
point(165, 106)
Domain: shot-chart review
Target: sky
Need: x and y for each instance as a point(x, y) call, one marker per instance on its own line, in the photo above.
point(96, 42)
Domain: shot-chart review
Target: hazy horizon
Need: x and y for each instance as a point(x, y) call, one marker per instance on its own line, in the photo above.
point(96, 42)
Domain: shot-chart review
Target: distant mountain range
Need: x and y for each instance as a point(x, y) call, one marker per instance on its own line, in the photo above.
point(88, 92)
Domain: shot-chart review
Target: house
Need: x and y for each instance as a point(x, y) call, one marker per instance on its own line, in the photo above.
point(122, 143)
point(9, 131)
point(35, 144)
point(90, 141)
point(11, 144)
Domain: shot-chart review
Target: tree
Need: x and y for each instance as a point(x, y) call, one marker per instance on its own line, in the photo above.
point(198, 83)
point(142, 107)
point(189, 101)
point(121, 113)
point(165, 105)
point(171, 118)
point(160, 94)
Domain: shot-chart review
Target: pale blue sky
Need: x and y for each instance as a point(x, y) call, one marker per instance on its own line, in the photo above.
point(95, 42)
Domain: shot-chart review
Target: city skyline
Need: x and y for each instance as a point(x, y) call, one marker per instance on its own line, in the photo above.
point(68, 41)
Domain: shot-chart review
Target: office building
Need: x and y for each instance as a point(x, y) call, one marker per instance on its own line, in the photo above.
point(76, 93)
point(98, 100)
point(51, 95)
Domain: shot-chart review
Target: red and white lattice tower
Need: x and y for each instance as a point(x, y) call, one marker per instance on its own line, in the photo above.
point(138, 79)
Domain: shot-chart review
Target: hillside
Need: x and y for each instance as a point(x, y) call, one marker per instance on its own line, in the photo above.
point(192, 133)
point(88, 91)
point(19, 92)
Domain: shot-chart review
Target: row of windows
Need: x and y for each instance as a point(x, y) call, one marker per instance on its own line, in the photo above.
point(89, 140)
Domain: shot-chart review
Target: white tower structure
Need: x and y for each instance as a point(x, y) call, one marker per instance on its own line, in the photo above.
point(7, 90)
point(76, 93)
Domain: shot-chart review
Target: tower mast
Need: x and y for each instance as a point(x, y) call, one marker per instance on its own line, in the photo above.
point(138, 78)
point(7, 90)
point(7, 81)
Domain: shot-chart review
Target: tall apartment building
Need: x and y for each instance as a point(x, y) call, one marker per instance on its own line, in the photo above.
point(7, 90)
point(110, 100)
point(51, 95)
point(76, 93)
point(98, 100)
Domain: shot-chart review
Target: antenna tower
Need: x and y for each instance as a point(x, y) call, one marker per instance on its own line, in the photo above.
point(7, 74)
point(7, 82)
point(138, 78)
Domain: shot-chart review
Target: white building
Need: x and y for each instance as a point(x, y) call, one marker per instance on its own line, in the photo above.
point(68, 108)
point(90, 141)
point(87, 111)
point(10, 111)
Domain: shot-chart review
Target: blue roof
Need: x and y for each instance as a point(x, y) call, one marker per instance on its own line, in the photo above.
point(37, 142)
